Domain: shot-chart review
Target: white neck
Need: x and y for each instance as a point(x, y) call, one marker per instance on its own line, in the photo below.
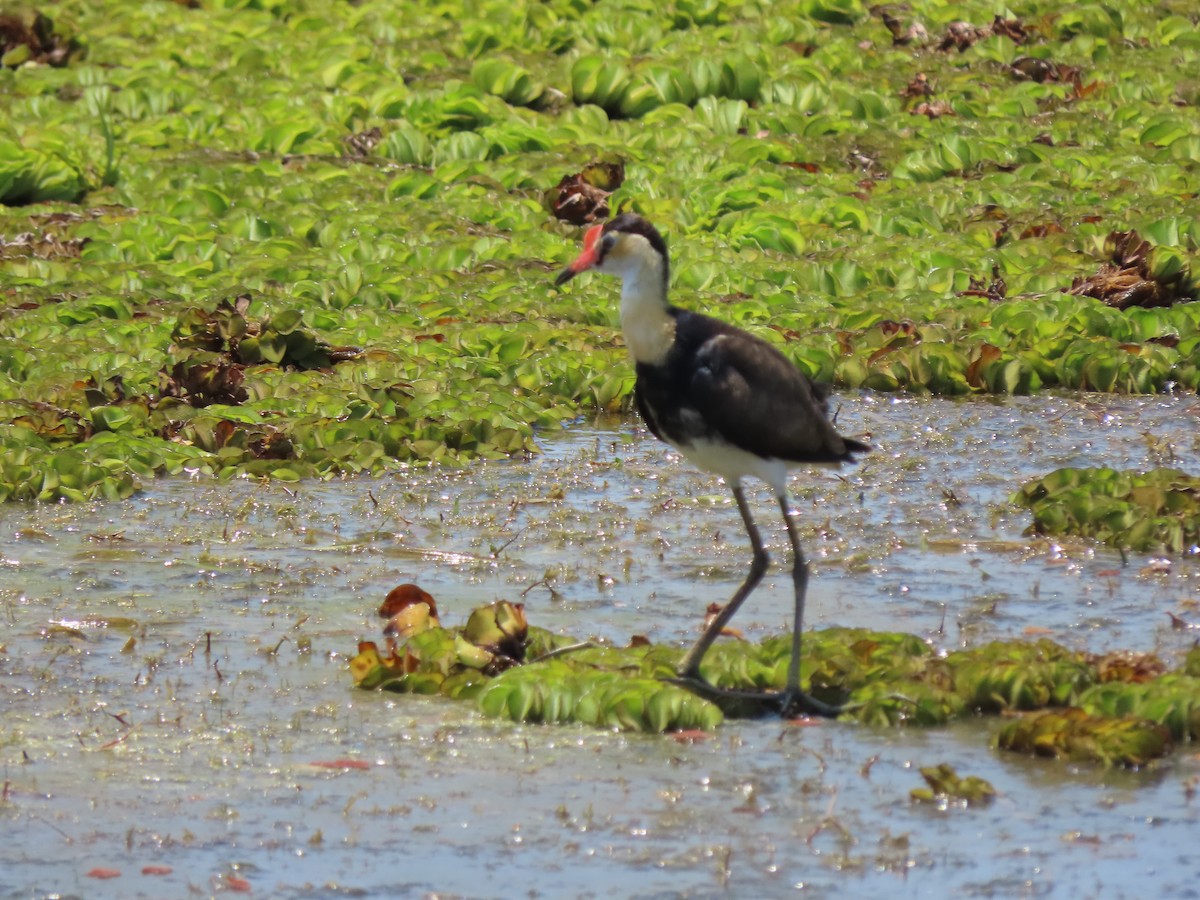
point(649, 330)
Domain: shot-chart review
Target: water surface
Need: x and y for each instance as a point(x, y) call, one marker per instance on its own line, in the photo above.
point(173, 667)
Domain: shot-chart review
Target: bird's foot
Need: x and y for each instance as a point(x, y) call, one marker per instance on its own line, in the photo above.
point(797, 703)
point(698, 685)
point(788, 704)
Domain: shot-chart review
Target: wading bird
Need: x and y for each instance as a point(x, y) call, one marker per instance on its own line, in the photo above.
point(729, 402)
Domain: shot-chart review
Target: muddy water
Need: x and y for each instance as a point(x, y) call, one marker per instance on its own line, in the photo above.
point(173, 674)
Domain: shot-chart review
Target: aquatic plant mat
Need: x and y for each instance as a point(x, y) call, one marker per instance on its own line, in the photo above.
point(307, 239)
point(1157, 510)
point(1115, 708)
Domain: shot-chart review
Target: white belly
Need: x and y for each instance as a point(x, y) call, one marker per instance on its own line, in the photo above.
point(734, 464)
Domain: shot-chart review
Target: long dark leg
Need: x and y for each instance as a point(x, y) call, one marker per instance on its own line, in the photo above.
point(690, 667)
point(800, 584)
point(792, 701)
point(795, 700)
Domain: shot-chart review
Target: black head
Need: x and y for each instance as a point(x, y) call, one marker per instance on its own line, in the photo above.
point(632, 223)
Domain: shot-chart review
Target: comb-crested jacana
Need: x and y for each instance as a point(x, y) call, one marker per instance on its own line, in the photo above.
point(728, 401)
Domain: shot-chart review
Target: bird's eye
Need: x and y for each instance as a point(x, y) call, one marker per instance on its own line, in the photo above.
point(606, 243)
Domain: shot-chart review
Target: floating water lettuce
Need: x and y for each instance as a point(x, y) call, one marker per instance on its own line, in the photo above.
point(1114, 709)
point(1019, 675)
point(554, 692)
point(506, 80)
point(389, 185)
point(946, 785)
point(1156, 510)
point(28, 175)
point(278, 340)
point(1074, 734)
point(1172, 701)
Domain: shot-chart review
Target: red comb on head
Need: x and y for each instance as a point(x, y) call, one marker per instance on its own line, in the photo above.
point(591, 236)
point(588, 258)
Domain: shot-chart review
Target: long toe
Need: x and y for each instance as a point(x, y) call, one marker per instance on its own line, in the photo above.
point(693, 682)
point(798, 703)
point(788, 704)
point(734, 703)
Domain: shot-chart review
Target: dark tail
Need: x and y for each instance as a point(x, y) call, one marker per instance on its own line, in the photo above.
point(852, 447)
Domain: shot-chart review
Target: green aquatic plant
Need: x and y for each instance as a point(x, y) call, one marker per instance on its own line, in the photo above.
point(1074, 734)
point(280, 340)
point(1156, 510)
point(1192, 666)
point(1114, 709)
point(1172, 701)
point(555, 692)
point(946, 785)
point(1007, 675)
point(29, 175)
point(392, 184)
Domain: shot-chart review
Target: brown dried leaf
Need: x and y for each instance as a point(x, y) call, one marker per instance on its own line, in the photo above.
point(579, 203)
point(906, 328)
point(902, 32)
point(918, 87)
point(582, 198)
point(406, 595)
point(934, 110)
point(962, 36)
point(988, 353)
point(802, 166)
point(341, 354)
point(272, 445)
point(1030, 68)
point(41, 246)
point(1127, 280)
point(1013, 29)
point(36, 33)
point(1136, 668)
point(1042, 229)
point(714, 610)
point(202, 384)
point(363, 142)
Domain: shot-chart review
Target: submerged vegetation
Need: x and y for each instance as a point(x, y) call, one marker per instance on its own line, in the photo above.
point(928, 197)
point(1115, 709)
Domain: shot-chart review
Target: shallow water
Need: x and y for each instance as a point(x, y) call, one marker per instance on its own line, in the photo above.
point(173, 666)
